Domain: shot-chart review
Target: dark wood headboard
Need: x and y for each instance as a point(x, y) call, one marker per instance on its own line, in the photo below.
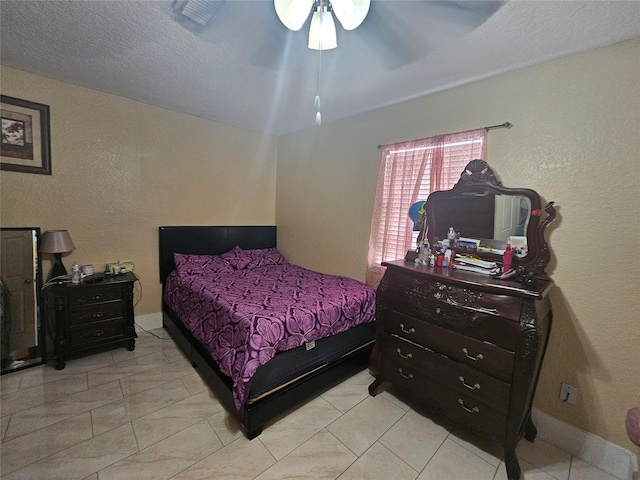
point(213, 240)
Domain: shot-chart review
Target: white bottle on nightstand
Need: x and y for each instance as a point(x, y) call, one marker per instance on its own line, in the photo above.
point(76, 273)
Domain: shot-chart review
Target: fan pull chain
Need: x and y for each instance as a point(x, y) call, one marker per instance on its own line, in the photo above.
point(316, 102)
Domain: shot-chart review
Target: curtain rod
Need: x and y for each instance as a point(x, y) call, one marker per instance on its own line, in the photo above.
point(492, 127)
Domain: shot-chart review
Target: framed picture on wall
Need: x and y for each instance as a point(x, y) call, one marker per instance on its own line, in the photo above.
point(26, 144)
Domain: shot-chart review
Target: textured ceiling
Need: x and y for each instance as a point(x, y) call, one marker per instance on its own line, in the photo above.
point(245, 69)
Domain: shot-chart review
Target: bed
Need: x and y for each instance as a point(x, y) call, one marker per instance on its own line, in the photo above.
point(259, 380)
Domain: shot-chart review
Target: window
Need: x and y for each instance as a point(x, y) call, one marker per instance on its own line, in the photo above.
point(409, 171)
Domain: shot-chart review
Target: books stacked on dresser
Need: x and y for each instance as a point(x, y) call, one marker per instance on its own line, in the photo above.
point(473, 264)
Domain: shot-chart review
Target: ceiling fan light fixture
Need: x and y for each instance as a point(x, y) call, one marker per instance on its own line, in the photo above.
point(293, 13)
point(322, 33)
point(350, 13)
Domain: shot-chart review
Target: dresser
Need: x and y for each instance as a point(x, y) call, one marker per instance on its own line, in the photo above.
point(90, 317)
point(466, 345)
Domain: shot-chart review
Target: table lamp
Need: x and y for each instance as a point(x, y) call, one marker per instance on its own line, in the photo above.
point(57, 242)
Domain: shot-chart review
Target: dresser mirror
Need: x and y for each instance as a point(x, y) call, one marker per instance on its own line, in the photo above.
point(22, 333)
point(478, 207)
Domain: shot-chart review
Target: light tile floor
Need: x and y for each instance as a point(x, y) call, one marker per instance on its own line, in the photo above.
point(146, 414)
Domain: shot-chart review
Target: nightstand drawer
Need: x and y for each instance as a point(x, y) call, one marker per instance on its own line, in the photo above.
point(483, 356)
point(98, 332)
point(94, 294)
point(96, 313)
point(477, 385)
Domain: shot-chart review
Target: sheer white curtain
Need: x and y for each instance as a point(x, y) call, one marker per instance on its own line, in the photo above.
point(409, 171)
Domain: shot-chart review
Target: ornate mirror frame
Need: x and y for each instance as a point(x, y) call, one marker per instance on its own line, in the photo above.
point(479, 178)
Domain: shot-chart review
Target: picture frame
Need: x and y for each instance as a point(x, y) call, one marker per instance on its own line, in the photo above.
point(26, 138)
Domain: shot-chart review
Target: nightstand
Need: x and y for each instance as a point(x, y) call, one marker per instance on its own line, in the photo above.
point(90, 317)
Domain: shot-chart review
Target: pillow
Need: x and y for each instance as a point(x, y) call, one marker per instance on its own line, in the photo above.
point(241, 259)
point(237, 258)
point(261, 257)
point(200, 264)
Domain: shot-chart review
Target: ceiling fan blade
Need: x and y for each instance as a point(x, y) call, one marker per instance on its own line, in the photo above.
point(268, 44)
point(293, 13)
point(392, 30)
point(351, 13)
point(391, 38)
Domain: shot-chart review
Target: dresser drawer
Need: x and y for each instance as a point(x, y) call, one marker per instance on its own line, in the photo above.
point(96, 313)
point(88, 296)
point(414, 295)
point(483, 327)
point(458, 407)
point(99, 332)
point(477, 385)
point(480, 355)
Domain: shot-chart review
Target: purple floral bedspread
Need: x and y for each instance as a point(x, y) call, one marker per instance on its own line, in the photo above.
point(245, 316)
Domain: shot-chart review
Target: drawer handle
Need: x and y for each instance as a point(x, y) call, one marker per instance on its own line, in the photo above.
point(93, 335)
point(470, 410)
point(470, 387)
point(405, 375)
point(97, 296)
point(408, 355)
point(475, 359)
point(411, 330)
point(442, 287)
point(483, 310)
point(438, 311)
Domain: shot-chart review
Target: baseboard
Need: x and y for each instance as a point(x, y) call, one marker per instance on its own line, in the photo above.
point(149, 321)
point(608, 457)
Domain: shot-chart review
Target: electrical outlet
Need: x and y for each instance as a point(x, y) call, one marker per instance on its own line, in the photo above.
point(568, 393)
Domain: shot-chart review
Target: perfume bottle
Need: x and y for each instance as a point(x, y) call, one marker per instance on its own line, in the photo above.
point(507, 258)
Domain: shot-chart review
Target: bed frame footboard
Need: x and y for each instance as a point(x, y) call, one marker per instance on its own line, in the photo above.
point(253, 417)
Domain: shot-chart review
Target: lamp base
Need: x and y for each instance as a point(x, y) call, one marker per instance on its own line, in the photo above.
point(58, 269)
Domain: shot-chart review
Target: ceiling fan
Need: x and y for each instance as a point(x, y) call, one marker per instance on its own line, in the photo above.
point(322, 32)
point(388, 33)
point(378, 36)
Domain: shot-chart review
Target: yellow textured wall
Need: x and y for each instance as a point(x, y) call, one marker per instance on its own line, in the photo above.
point(122, 168)
point(576, 141)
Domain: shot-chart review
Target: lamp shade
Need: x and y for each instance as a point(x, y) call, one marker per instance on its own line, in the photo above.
point(56, 241)
point(322, 33)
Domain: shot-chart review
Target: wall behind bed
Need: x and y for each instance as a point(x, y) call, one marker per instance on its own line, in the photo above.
point(121, 168)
